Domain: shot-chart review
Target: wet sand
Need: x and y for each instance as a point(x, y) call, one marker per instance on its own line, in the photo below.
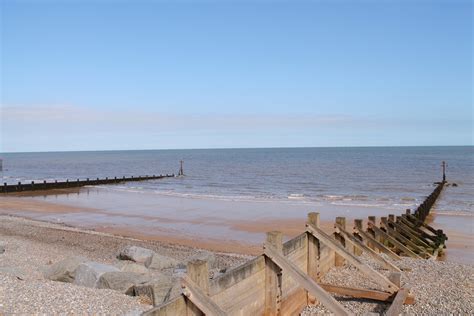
point(220, 225)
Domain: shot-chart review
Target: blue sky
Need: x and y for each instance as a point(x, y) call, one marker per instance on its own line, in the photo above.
point(92, 75)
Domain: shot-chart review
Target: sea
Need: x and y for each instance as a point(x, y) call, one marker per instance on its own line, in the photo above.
point(383, 177)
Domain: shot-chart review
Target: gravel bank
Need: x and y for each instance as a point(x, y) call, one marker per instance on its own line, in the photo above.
point(439, 288)
point(31, 245)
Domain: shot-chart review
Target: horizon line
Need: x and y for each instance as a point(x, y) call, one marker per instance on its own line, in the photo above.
point(230, 148)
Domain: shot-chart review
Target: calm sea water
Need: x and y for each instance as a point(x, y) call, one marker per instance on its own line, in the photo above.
point(395, 177)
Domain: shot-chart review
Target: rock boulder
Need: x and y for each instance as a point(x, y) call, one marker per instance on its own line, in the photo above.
point(121, 281)
point(89, 273)
point(159, 262)
point(135, 268)
point(137, 254)
point(205, 256)
point(64, 270)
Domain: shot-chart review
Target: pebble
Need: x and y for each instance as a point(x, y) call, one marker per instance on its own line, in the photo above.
point(33, 245)
point(439, 288)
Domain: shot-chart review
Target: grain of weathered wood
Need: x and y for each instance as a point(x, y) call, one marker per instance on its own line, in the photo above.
point(396, 278)
point(416, 238)
point(273, 280)
point(339, 260)
point(198, 272)
point(434, 238)
point(394, 241)
point(313, 254)
point(175, 306)
point(307, 283)
point(358, 244)
point(407, 242)
point(363, 293)
point(396, 307)
point(378, 245)
point(419, 223)
point(200, 299)
point(368, 271)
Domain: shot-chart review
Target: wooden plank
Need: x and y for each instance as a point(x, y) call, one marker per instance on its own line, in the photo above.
point(434, 238)
point(378, 244)
point(396, 277)
point(418, 223)
point(416, 238)
point(198, 272)
point(313, 254)
point(200, 299)
point(339, 260)
point(396, 307)
point(391, 239)
point(305, 282)
point(407, 242)
point(358, 224)
point(273, 289)
point(358, 244)
point(173, 307)
point(363, 293)
point(368, 271)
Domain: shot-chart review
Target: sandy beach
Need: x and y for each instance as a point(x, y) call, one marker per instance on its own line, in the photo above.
point(218, 225)
point(31, 246)
point(40, 229)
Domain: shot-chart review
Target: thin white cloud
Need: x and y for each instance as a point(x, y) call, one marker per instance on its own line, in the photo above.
point(60, 116)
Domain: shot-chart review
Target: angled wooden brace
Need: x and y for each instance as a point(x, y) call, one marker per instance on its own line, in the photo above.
point(397, 235)
point(363, 293)
point(377, 244)
point(409, 234)
point(368, 271)
point(305, 281)
point(396, 307)
point(200, 299)
point(360, 245)
point(433, 238)
point(394, 241)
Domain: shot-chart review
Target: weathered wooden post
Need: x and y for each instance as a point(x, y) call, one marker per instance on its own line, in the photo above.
point(395, 278)
point(339, 260)
point(444, 170)
point(373, 233)
point(198, 273)
point(273, 290)
point(358, 225)
point(391, 217)
point(313, 254)
point(181, 170)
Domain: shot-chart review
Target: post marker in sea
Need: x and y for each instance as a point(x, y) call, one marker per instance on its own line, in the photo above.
point(181, 170)
point(444, 165)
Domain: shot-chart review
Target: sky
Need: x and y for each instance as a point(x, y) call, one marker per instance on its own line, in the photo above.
point(113, 75)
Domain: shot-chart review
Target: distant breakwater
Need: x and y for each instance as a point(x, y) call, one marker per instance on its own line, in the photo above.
point(36, 186)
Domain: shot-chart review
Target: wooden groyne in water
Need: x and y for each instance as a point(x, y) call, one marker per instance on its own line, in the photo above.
point(44, 185)
point(286, 277)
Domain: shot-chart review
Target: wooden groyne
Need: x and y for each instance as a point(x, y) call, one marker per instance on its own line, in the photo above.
point(44, 185)
point(286, 277)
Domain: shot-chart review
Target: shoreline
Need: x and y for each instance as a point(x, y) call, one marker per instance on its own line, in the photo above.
point(203, 224)
point(31, 245)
